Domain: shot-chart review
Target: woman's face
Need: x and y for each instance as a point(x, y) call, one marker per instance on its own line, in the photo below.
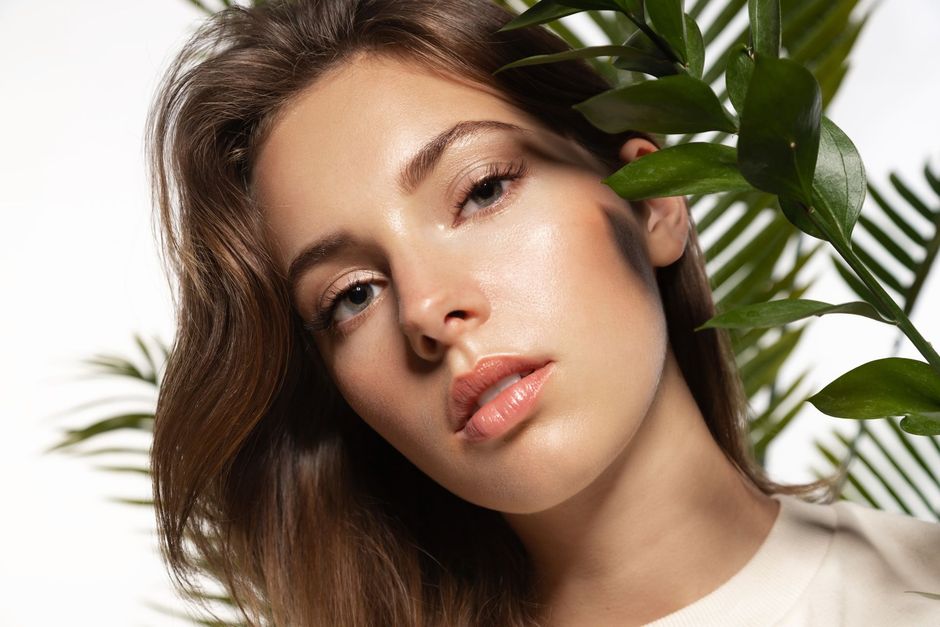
point(498, 241)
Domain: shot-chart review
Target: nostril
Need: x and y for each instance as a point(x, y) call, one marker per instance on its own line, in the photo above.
point(458, 314)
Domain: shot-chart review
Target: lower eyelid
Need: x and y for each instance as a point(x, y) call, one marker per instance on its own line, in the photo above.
point(512, 189)
point(348, 326)
point(355, 321)
point(513, 185)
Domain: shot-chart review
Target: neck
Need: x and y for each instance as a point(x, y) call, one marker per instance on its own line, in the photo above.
point(669, 521)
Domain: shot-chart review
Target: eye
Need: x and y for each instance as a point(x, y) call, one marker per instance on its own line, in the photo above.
point(357, 297)
point(345, 303)
point(490, 188)
point(485, 193)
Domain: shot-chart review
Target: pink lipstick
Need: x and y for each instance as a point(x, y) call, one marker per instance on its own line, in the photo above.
point(508, 408)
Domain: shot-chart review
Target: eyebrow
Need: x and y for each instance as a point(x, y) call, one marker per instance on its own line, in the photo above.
point(428, 156)
point(415, 171)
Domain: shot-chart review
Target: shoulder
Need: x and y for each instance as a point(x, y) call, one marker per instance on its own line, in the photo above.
point(906, 544)
point(874, 566)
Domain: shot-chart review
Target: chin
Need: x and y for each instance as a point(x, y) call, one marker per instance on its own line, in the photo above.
point(535, 487)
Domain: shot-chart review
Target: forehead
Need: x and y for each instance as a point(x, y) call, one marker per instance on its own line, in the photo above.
point(346, 136)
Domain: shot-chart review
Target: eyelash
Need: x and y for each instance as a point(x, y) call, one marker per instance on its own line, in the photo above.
point(494, 172)
point(323, 320)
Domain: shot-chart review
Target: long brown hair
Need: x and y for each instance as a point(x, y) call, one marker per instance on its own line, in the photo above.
point(263, 476)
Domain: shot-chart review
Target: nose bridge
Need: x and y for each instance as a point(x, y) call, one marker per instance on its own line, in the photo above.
point(438, 297)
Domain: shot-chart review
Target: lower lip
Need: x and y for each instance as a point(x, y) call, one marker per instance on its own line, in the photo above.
point(508, 408)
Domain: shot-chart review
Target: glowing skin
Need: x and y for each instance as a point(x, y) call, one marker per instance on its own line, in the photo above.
point(614, 484)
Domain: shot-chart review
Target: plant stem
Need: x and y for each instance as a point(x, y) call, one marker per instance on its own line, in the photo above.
point(887, 303)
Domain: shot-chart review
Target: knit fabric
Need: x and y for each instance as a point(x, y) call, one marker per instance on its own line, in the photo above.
point(829, 565)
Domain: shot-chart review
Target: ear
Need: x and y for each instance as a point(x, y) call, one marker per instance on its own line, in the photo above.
point(666, 219)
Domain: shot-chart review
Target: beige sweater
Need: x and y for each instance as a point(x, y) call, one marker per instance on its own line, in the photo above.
point(829, 565)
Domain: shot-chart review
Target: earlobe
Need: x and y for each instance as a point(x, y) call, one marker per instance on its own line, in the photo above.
point(666, 219)
point(667, 229)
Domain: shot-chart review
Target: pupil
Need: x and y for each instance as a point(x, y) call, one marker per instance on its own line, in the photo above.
point(488, 190)
point(358, 295)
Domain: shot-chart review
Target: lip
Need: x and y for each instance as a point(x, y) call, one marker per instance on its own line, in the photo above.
point(467, 388)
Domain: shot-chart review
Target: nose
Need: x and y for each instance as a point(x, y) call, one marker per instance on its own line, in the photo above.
point(437, 308)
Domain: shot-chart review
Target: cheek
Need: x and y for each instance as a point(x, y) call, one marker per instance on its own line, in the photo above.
point(372, 375)
point(366, 379)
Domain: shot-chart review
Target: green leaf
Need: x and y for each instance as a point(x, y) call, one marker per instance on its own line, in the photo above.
point(674, 104)
point(780, 312)
point(695, 46)
point(762, 369)
point(752, 254)
point(112, 450)
point(667, 20)
point(838, 188)
point(797, 213)
point(765, 26)
point(542, 12)
point(138, 421)
point(648, 58)
point(633, 8)
point(893, 386)
point(627, 6)
point(894, 456)
point(633, 60)
point(580, 53)
point(922, 423)
point(738, 75)
point(202, 7)
point(839, 180)
point(780, 122)
point(698, 168)
point(135, 470)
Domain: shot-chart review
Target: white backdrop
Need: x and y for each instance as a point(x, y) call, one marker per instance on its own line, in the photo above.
point(80, 275)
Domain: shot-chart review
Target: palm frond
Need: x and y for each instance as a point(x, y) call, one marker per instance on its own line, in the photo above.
point(144, 369)
point(888, 469)
point(139, 421)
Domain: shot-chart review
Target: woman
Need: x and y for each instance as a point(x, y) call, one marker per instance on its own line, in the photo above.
point(431, 371)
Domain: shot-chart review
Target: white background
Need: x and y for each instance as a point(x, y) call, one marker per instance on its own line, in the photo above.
point(80, 275)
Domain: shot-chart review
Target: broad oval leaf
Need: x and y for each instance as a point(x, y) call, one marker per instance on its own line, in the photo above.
point(633, 8)
point(839, 183)
point(648, 57)
point(779, 312)
point(599, 5)
point(667, 19)
point(798, 215)
point(695, 45)
point(696, 168)
point(839, 188)
point(738, 75)
point(550, 10)
point(922, 423)
point(780, 122)
point(636, 60)
point(893, 386)
point(580, 53)
point(674, 104)
point(765, 26)
point(539, 13)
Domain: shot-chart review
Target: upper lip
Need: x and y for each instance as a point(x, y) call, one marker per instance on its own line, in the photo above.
point(466, 388)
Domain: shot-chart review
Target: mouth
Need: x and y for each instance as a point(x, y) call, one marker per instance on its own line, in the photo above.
point(486, 384)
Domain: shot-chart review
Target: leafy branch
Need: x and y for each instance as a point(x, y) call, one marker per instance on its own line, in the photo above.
point(785, 148)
